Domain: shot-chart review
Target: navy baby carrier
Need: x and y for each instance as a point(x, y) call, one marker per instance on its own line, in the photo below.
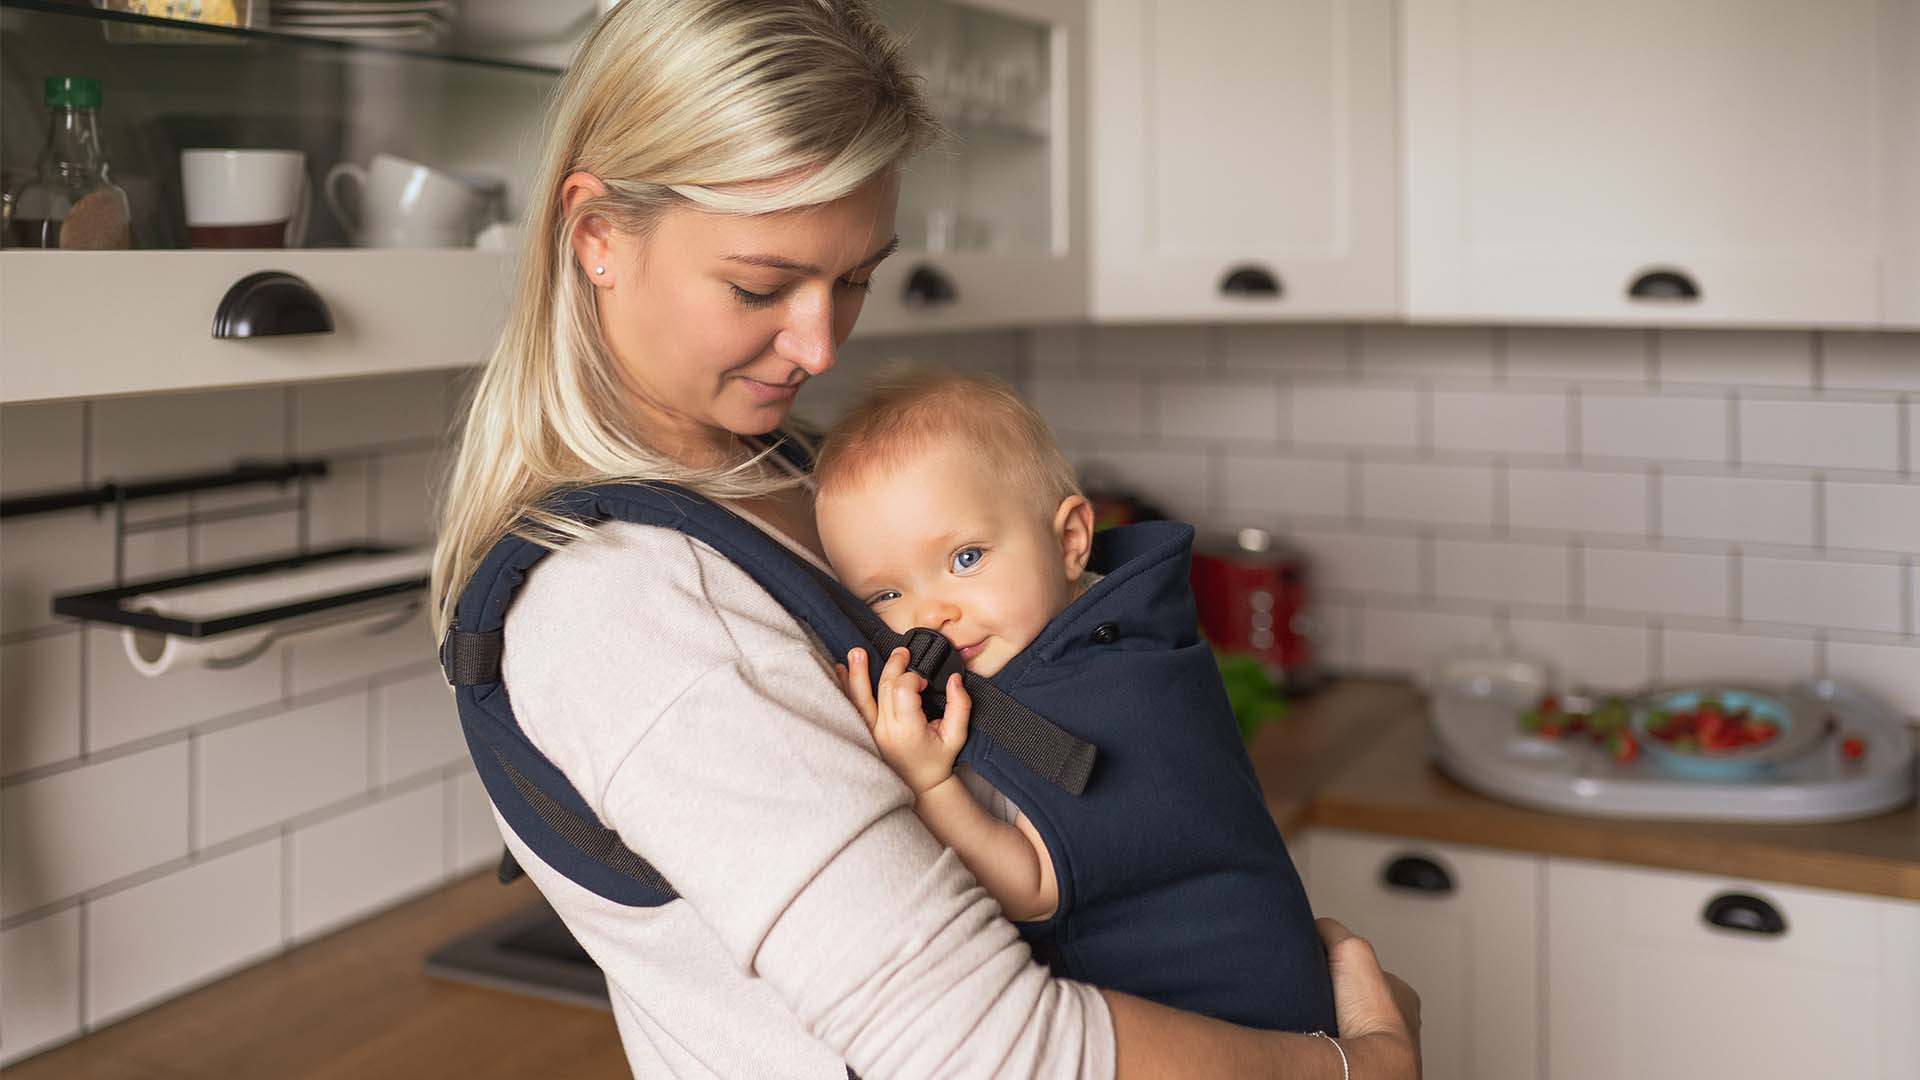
point(1111, 732)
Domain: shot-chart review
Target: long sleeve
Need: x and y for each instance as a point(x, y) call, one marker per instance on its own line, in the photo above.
point(704, 725)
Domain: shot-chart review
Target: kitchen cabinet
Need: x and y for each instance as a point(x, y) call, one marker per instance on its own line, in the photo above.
point(1641, 983)
point(1461, 925)
point(1244, 160)
point(1707, 163)
point(993, 220)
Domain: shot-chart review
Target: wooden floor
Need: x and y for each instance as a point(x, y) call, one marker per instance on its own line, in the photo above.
point(355, 1005)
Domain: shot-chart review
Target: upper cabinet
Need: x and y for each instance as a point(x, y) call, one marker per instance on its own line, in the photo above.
point(1244, 160)
point(992, 219)
point(1717, 162)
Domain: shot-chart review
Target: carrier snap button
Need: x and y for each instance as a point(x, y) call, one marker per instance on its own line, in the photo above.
point(1106, 633)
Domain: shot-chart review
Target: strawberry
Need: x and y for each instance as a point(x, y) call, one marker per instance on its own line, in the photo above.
point(1625, 750)
point(1853, 748)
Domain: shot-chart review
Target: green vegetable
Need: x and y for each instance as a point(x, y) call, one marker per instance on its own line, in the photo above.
point(1252, 693)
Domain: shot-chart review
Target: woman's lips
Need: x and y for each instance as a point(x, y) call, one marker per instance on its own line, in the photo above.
point(770, 392)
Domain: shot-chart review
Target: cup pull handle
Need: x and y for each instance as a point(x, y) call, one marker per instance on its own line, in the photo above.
point(1251, 282)
point(1412, 873)
point(1744, 913)
point(927, 286)
point(1663, 285)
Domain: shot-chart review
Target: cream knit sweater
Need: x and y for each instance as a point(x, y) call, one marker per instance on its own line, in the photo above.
point(819, 925)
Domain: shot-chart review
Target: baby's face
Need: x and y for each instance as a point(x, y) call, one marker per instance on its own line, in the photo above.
point(942, 543)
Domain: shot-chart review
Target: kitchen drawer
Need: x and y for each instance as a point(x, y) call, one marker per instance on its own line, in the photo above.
point(1641, 984)
point(82, 324)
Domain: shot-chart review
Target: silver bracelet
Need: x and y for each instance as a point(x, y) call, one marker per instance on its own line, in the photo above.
point(1345, 1073)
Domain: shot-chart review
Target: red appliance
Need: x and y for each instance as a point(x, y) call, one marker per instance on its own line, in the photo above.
point(1252, 593)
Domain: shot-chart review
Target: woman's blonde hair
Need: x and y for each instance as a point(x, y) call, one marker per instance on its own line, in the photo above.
point(906, 411)
point(703, 104)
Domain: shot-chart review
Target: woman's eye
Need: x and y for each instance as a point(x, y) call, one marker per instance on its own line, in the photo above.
point(967, 558)
point(858, 286)
point(753, 299)
point(881, 597)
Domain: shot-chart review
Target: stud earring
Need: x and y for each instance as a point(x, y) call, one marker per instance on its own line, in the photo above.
point(600, 270)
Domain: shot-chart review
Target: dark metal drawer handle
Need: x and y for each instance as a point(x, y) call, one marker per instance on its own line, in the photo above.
point(1663, 285)
point(1747, 914)
point(1415, 874)
point(1250, 282)
point(927, 286)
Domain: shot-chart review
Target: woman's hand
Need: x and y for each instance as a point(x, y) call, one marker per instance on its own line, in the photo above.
point(1379, 1014)
point(921, 753)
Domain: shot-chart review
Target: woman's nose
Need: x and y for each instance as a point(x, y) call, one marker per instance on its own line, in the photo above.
point(807, 339)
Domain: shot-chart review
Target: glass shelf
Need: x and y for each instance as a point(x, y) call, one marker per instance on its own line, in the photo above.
point(169, 85)
point(171, 32)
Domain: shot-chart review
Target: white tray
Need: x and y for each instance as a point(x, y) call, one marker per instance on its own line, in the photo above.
point(1476, 738)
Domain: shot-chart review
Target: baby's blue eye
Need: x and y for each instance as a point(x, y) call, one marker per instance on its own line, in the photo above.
point(967, 558)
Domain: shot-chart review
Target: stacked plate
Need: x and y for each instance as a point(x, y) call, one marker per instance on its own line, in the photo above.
point(411, 23)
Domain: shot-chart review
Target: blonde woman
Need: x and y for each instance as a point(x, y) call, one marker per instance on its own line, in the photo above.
point(716, 191)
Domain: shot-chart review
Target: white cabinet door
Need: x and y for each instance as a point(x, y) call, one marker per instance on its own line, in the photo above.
point(1236, 138)
point(992, 222)
point(1640, 983)
point(1469, 949)
point(1557, 154)
point(1900, 75)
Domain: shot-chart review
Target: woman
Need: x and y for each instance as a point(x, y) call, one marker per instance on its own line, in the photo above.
point(717, 187)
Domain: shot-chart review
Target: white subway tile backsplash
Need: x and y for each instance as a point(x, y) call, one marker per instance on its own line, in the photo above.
point(1852, 596)
point(165, 936)
point(1427, 350)
point(1506, 573)
point(1705, 657)
point(240, 540)
point(1347, 415)
point(39, 984)
point(355, 864)
point(49, 553)
point(1514, 423)
point(1298, 347)
point(1336, 633)
point(248, 777)
point(39, 702)
point(1433, 494)
point(1351, 562)
point(42, 447)
point(1660, 428)
point(353, 654)
point(1604, 657)
point(1911, 425)
point(1174, 480)
point(1149, 348)
point(1885, 360)
point(416, 726)
point(139, 438)
point(356, 413)
point(1883, 517)
point(407, 486)
point(1228, 412)
point(1577, 501)
point(124, 705)
point(1737, 510)
point(1256, 486)
point(82, 828)
point(1401, 640)
point(1091, 406)
point(1660, 582)
point(1736, 357)
point(476, 835)
point(338, 505)
point(1577, 354)
point(1890, 672)
point(1820, 434)
point(1057, 349)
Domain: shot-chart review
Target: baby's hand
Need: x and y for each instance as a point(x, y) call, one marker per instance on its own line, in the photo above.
point(921, 752)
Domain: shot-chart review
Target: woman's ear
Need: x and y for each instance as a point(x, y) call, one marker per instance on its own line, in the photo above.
point(593, 239)
point(1073, 527)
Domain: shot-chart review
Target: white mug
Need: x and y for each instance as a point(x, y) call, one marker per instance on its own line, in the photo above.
point(245, 198)
point(404, 204)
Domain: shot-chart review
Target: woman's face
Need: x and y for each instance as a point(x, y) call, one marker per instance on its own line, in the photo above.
point(717, 319)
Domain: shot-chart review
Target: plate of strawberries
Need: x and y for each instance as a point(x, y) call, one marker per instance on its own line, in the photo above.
point(1719, 732)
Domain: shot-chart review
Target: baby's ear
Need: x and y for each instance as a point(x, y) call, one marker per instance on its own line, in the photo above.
point(1073, 527)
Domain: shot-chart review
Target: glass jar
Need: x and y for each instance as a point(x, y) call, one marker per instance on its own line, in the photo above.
point(71, 202)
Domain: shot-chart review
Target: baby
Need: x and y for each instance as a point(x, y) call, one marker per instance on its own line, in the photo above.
point(943, 502)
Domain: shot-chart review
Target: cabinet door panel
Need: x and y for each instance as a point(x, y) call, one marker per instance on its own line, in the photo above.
point(1556, 152)
point(1640, 984)
point(1233, 135)
point(1470, 952)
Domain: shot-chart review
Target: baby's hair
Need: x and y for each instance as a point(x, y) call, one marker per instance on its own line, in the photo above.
point(906, 410)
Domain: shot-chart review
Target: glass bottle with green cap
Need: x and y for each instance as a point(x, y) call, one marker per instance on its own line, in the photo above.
point(71, 202)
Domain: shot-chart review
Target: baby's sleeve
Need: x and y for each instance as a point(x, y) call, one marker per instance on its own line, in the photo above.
point(711, 733)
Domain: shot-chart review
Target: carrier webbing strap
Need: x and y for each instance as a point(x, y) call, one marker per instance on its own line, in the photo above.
point(592, 838)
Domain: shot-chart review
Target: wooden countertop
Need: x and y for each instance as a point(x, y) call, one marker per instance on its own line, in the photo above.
point(356, 1004)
